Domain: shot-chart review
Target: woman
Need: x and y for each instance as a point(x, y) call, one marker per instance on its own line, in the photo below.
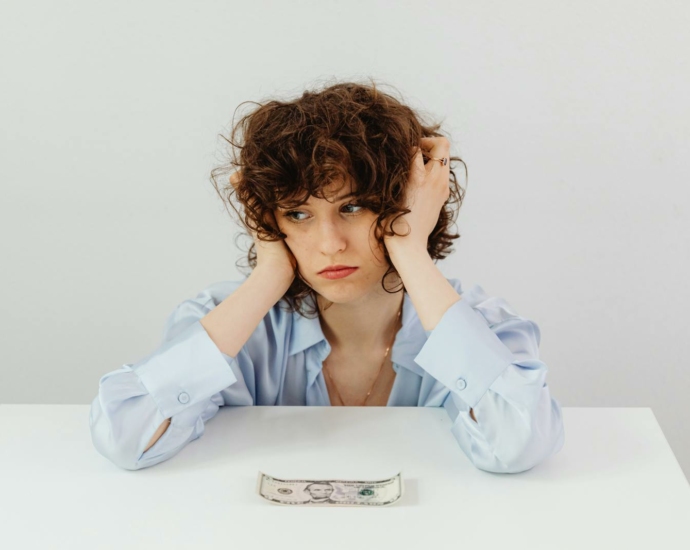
point(348, 198)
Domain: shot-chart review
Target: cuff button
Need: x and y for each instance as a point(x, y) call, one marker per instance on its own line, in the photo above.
point(460, 383)
point(183, 398)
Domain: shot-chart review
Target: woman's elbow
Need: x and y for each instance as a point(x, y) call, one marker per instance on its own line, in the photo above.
point(522, 450)
point(121, 453)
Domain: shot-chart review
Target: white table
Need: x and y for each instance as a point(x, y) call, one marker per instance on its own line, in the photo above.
point(615, 484)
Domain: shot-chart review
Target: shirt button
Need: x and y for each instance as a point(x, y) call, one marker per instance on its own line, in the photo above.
point(183, 398)
point(461, 384)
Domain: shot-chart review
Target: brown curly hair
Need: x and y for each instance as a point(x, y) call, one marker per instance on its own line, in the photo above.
point(346, 131)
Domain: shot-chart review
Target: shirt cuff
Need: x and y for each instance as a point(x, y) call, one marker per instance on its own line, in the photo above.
point(185, 370)
point(463, 353)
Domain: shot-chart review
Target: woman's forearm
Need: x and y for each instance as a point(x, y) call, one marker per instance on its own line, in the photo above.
point(232, 322)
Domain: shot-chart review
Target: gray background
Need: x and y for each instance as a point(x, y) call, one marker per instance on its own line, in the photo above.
point(572, 118)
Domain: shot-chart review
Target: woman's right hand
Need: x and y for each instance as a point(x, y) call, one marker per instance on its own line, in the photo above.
point(272, 255)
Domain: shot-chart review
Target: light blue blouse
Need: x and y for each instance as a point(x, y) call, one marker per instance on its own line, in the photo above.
point(481, 355)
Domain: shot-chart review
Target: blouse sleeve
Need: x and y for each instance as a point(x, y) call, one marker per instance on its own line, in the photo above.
point(488, 357)
point(180, 380)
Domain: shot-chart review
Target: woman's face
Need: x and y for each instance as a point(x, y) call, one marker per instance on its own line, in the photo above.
point(321, 234)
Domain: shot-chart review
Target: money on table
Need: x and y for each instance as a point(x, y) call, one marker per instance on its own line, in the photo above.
point(330, 492)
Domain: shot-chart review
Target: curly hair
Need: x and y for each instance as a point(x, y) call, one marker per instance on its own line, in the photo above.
point(347, 131)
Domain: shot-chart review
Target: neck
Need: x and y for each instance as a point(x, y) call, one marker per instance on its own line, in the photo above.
point(366, 324)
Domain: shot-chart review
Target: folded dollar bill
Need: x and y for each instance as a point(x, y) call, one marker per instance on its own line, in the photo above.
point(330, 492)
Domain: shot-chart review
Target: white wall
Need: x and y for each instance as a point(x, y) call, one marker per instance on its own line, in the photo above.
point(571, 118)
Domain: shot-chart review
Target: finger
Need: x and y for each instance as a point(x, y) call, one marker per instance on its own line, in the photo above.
point(417, 154)
point(418, 162)
point(439, 148)
point(436, 146)
point(419, 157)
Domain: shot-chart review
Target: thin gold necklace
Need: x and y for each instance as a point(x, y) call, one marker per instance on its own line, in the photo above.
point(380, 368)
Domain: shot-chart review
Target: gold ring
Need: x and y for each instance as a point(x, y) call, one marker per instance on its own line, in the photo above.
point(442, 160)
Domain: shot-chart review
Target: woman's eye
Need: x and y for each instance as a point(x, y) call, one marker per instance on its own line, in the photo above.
point(355, 205)
point(289, 215)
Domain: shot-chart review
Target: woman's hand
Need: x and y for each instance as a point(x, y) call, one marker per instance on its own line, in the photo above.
point(272, 255)
point(427, 191)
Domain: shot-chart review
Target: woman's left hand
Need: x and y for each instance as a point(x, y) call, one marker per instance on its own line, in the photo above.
point(427, 191)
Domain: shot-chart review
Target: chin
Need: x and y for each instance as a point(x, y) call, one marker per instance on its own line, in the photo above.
point(342, 292)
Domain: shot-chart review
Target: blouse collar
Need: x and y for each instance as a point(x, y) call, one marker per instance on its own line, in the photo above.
point(307, 333)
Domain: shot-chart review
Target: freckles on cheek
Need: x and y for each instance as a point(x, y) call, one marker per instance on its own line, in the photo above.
point(298, 249)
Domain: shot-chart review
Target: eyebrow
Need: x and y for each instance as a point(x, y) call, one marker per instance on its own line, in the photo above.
point(344, 196)
point(341, 197)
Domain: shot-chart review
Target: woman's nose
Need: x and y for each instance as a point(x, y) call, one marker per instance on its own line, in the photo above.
point(331, 237)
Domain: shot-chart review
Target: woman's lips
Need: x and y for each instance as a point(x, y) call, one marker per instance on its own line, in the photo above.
point(338, 273)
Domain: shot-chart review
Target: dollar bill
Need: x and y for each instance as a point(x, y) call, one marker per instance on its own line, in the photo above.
point(330, 492)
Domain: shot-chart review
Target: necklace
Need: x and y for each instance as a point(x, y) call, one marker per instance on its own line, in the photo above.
point(380, 368)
